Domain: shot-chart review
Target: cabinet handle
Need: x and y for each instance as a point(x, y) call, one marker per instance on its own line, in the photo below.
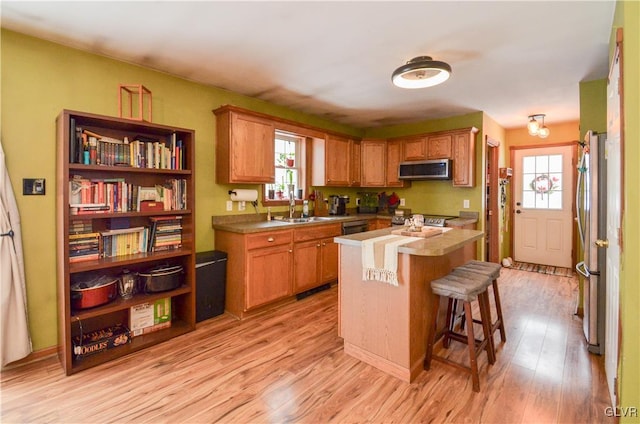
point(318, 245)
point(324, 244)
point(290, 251)
point(271, 239)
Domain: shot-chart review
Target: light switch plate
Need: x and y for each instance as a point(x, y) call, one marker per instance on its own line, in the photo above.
point(229, 205)
point(33, 186)
point(465, 203)
point(402, 203)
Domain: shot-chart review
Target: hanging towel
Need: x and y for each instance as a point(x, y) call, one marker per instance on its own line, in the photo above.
point(380, 258)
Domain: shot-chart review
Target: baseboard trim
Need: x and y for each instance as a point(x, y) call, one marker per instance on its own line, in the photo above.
point(33, 357)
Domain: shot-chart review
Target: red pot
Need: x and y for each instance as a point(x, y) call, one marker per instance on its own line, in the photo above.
point(88, 295)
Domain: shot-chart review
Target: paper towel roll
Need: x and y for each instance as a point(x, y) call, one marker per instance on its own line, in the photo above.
point(243, 195)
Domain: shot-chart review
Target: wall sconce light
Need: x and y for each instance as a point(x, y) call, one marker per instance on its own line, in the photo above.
point(537, 127)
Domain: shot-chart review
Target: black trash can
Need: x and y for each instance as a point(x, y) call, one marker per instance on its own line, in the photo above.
point(211, 277)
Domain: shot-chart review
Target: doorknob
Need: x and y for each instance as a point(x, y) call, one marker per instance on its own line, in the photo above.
point(517, 203)
point(518, 211)
point(602, 243)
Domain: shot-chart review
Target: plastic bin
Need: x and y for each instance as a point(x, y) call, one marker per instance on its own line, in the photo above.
point(211, 277)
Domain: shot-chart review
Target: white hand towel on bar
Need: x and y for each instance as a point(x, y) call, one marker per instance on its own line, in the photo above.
point(380, 258)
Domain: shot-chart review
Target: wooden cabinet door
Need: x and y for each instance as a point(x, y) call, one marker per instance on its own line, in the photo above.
point(329, 260)
point(394, 157)
point(415, 148)
point(439, 147)
point(373, 163)
point(356, 163)
point(337, 161)
point(306, 265)
point(251, 150)
point(268, 275)
point(463, 160)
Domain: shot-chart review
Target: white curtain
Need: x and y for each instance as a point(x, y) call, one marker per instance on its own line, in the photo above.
point(15, 342)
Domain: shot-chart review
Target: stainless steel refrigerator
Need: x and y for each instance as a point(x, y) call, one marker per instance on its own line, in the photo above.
point(591, 208)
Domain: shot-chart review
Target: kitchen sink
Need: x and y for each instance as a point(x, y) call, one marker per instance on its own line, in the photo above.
point(309, 219)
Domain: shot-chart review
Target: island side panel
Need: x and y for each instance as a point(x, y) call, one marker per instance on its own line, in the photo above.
point(374, 316)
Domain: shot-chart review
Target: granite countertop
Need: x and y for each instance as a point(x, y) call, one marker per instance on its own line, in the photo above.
point(450, 240)
point(461, 222)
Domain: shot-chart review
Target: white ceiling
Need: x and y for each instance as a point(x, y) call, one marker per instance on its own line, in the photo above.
point(334, 59)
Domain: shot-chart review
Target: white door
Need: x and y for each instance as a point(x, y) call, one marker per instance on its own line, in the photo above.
point(612, 154)
point(543, 219)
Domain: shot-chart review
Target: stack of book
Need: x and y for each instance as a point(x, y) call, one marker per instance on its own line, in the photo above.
point(112, 195)
point(166, 233)
point(126, 241)
point(84, 245)
point(90, 148)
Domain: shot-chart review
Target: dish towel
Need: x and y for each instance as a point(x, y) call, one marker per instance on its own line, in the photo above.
point(380, 258)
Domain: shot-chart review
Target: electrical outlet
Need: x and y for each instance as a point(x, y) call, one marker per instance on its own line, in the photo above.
point(242, 205)
point(357, 201)
point(465, 203)
point(229, 205)
point(402, 203)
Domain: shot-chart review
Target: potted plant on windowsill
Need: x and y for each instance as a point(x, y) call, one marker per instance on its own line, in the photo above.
point(289, 160)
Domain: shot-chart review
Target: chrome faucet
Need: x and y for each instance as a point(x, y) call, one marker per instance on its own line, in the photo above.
point(292, 201)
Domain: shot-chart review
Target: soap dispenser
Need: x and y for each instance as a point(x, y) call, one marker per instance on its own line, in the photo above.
point(305, 209)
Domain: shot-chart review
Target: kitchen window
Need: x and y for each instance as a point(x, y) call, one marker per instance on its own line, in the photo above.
point(289, 165)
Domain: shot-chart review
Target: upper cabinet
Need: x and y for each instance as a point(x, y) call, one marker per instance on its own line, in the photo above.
point(464, 157)
point(356, 163)
point(374, 163)
point(332, 161)
point(244, 148)
point(394, 156)
point(439, 146)
point(380, 163)
point(415, 148)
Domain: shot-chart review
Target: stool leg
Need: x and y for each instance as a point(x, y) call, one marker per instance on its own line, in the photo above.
point(449, 320)
point(432, 325)
point(496, 296)
point(485, 320)
point(471, 343)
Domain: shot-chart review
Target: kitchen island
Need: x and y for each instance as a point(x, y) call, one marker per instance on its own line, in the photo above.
point(386, 325)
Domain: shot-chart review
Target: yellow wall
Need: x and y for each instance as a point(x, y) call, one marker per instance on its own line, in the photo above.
point(39, 79)
point(627, 17)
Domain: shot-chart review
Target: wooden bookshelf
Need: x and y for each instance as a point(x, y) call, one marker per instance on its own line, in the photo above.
point(176, 164)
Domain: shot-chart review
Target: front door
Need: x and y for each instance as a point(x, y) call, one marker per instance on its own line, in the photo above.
point(543, 205)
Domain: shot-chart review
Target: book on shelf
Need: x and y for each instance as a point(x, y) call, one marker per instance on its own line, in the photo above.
point(165, 233)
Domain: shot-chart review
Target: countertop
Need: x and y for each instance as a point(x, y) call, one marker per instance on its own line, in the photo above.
point(439, 245)
point(258, 226)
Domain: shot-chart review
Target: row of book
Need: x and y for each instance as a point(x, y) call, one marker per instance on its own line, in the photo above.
point(163, 234)
point(90, 148)
point(89, 196)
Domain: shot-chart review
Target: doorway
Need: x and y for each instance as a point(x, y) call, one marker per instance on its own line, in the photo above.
point(492, 230)
point(542, 193)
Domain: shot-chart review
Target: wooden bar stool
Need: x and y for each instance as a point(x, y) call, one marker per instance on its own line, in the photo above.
point(457, 287)
point(492, 271)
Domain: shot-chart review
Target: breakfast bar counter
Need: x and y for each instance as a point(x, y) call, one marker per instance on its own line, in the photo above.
point(383, 324)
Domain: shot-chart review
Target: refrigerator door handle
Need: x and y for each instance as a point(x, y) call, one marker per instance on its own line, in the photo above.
point(581, 171)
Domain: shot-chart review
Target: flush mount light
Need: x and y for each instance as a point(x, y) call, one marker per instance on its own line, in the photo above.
point(536, 127)
point(421, 72)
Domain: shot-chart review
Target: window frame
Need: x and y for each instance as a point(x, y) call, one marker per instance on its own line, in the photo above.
point(301, 160)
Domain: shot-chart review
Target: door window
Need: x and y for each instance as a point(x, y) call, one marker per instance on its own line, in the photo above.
point(542, 182)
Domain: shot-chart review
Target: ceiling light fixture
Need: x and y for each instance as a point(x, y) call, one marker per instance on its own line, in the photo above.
point(536, 127)
point(421, 72)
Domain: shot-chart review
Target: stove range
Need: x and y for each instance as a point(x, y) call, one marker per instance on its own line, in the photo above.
point(429, 220)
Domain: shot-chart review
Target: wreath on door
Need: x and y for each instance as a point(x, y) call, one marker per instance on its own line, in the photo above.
point(544, 184)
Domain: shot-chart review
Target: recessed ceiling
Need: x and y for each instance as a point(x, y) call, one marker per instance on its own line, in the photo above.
point(334, 59)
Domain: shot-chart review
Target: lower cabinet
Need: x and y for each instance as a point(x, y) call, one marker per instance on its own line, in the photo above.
point(268, 275)
point(267, 267)
point(315, 257)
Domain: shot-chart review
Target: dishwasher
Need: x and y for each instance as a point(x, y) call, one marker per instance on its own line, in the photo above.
point(352, 227)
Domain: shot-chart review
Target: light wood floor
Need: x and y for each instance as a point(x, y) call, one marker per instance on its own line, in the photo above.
point(289, 366)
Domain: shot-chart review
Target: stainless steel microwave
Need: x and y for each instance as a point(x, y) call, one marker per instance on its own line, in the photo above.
point(437, 169)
